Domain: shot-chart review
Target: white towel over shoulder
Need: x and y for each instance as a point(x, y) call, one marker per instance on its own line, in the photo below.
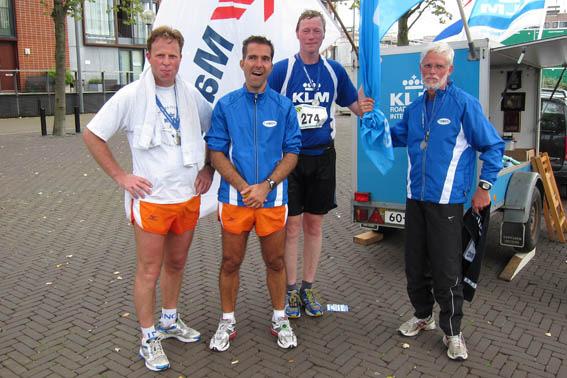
point(145, 116)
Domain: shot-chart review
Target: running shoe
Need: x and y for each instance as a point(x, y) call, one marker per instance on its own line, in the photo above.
point(154, 356)
point(293, 305)
point(180, 331)
point(456, 347)
point(310, 304)
point(415, 325)
point(282, 329)
point(225, 333)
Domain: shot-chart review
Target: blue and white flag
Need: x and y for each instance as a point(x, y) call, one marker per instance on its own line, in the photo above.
point(389, 11)
point(374, 131)
point(497, 19)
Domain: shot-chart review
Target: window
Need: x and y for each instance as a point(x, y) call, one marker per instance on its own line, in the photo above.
point(131, 65)
point(563, 24)
point(99, 21)
point(6, 19)
point(106, 23)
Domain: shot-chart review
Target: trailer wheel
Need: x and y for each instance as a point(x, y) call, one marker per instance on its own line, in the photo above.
point(533, 223)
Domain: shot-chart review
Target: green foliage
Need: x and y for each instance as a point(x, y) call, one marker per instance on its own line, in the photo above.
point(69, 78)
point(95, 80)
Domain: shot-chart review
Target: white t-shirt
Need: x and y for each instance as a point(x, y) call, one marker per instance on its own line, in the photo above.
point(161, 165)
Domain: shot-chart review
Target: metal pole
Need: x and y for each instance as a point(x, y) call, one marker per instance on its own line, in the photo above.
point(79, 87)
point(343, 27)
point(17, 93)
point(472, 52)
point(103, 90)
point(77, 119)
point(48, 90)
point(43, 121)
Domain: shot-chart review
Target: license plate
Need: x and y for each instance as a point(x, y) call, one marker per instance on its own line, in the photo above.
point(395, 217)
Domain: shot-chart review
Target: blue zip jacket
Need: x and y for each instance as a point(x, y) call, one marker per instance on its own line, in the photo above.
point(254, 131)
point(441, 170)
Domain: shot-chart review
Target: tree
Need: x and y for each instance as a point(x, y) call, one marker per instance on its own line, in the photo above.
point(60, 9)
point(437, 8)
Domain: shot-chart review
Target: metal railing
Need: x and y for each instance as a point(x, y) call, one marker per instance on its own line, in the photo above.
point(22, 92)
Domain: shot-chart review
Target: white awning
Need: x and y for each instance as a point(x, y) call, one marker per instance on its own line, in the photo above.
point(542, 53)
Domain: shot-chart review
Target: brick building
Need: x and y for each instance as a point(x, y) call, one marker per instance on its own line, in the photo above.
point(106, 42)
point(27, 41)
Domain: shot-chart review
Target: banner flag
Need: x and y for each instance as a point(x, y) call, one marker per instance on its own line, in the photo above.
point(375, 130)
point(497, 19)
point(214, 31)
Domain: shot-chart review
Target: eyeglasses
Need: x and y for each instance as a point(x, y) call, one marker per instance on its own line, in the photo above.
point(437, 67)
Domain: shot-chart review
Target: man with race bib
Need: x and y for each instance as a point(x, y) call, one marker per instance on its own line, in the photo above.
point(315, 85)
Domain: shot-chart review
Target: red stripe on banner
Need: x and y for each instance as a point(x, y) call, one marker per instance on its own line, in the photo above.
point(247, 2)
point(268, 9)
point(224, 13)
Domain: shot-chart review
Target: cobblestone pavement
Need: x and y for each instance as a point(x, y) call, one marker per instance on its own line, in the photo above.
point(67, 274)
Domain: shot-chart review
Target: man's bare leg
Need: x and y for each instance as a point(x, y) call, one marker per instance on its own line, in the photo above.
point(233, 252)
point(273, 254)
point(312, 242)
point(293, 229)
point(175, 258)
point(149, 253)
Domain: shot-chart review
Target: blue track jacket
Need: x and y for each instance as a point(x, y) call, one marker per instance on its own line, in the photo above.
point(254, 131)
point(442, 170)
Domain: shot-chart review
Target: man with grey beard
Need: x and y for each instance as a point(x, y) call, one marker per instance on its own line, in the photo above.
point(443, 130)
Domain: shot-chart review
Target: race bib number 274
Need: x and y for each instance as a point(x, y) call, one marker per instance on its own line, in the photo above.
point(310, 116)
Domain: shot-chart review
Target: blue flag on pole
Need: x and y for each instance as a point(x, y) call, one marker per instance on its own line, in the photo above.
point(498, 19)
point(374, 130)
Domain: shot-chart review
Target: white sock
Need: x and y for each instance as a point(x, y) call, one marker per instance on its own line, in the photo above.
point(278, 314)
point(148, 333)
point(168, 317)
point(229, 316)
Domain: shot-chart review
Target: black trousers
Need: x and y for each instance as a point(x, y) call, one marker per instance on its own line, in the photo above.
point(433, 259)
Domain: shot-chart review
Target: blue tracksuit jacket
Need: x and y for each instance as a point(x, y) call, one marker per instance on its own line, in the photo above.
point(442, 170)
point(254, 131)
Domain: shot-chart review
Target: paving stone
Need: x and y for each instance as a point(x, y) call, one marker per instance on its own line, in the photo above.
point(74, 326)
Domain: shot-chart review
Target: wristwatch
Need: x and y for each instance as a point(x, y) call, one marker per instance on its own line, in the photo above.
point(484, 185)
point(271, 182)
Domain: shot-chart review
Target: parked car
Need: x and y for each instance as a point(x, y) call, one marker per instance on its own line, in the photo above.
point(553, 135)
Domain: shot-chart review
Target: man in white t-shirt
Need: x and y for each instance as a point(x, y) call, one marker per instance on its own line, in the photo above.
point(164, 119)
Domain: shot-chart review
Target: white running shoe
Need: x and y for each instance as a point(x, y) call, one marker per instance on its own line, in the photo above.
point(154, 356)
point(225, 333)
point(456, 347)
point(415, 325)
point(282, 329)
point(180, 331)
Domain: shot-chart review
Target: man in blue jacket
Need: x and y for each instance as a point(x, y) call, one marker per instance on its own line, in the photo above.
point(254, 141)
point(443, 130)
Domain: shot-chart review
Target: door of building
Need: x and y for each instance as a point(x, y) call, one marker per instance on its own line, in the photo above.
point(7, 62)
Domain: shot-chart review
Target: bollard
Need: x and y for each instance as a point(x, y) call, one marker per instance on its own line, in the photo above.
point(77, 119)
point(43, 121)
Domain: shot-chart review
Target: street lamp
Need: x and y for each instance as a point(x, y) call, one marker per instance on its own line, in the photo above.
point(148, 18)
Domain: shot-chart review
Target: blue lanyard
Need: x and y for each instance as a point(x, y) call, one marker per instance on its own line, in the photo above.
point(312, 84)
point(175, 121)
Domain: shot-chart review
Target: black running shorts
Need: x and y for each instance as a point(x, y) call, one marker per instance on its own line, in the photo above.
point(311, 185)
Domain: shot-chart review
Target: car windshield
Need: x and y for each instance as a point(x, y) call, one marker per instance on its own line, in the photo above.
point(553, 116)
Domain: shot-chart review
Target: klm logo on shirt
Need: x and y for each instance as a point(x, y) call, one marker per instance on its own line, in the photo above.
point(309, 97)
